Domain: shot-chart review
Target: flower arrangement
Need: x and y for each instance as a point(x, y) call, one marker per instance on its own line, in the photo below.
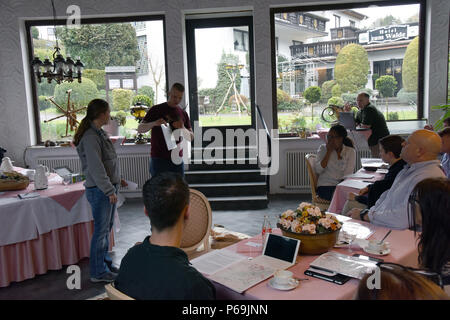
point(308, 219)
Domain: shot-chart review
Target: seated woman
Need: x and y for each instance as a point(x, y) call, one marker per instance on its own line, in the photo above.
point(390, 148)
point(397, 282)
point(335, 159)
point(429, 205)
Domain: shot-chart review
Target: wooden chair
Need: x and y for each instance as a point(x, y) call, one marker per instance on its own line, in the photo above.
point(316, 200)
point(198, 227)
point(115, 294)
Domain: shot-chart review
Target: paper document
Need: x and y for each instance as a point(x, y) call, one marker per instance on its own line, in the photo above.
point(28, 195)
point(361, 231)
point(344, 264)
point(357, 184)
point(168, 136)
point(130, 187)
point(216, 260)
point(360, 175)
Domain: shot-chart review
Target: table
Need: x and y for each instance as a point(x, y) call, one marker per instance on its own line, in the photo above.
point(403, 251)
point(44, 233)
point(341, 193)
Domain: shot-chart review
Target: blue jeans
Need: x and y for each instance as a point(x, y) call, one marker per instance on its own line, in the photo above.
point(103, 213)
point(326, 192)
point(158, 165)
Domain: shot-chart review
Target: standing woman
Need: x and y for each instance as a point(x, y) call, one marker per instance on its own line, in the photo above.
point(335, 159)
point(101, 168)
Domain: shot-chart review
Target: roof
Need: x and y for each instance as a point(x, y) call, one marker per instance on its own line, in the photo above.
point(120, 69)
point(354, 14)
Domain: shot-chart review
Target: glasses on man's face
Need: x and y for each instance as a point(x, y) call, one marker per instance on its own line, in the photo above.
point(430, 275)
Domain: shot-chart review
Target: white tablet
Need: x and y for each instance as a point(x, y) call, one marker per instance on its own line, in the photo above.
point(281, 247)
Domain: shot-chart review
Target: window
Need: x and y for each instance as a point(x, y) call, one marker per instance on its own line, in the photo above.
point(240, 40)
point(310, 80)
point(128, 55)
point(337, 21)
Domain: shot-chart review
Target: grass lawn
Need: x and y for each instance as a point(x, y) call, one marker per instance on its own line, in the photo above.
point(224, 120)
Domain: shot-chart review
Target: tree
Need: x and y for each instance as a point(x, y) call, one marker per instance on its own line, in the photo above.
point(312, 94)
point(98, 76)
point(386, 21)
point(410, 66)
point(327, 87)
point(81, 95)
point(34, 32)
point(386, 85)
point(223, 78)
point(101, 45)
point(157, 71)
point(351, 68)
point(148, 91)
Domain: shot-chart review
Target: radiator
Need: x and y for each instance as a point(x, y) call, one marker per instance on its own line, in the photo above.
point(297, 172)
point(132, 167)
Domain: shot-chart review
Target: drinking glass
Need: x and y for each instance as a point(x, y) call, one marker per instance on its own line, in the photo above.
point(351, 237)
point(266, 228)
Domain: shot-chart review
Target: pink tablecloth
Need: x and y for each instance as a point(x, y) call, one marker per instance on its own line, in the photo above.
point(50, 251)
point(403, 251)
point(341, 193)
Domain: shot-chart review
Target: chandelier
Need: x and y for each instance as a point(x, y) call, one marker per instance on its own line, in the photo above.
point(60, 69)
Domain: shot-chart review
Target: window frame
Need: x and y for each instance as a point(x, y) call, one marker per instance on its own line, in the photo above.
point(343, 6)
point(62, 22)
point(242, 36)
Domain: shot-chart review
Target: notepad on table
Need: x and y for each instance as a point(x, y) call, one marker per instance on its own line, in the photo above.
point(360, 175)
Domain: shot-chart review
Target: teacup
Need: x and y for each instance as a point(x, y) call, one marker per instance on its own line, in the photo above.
point(283, 278)
point(30, 174)
point(374, 245)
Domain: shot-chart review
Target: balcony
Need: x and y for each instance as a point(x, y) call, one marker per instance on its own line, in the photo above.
point(319, 49)
point(302, 20)
point(344, 33)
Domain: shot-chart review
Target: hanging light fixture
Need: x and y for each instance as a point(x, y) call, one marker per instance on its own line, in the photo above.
point(61, 69)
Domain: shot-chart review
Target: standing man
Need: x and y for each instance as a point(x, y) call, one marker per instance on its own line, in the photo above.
point(370, 117)
point(167, 113)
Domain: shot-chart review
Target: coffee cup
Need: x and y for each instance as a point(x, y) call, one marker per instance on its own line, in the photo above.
point(374, 245)
point(283, 278)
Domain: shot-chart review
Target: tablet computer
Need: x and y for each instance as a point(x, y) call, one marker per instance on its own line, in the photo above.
point(281, 247)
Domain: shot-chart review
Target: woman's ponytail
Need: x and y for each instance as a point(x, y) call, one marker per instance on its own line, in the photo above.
point(95, 108)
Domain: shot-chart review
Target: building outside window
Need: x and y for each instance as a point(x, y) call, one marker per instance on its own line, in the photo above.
point(127, 45)
point(240, 40)
point(378, 52)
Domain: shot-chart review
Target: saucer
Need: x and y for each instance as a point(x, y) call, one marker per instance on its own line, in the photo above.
point(377, 252)
point(277, 286)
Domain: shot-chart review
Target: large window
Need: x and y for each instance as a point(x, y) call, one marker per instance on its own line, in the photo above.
point(124, 63)
point(373, 48)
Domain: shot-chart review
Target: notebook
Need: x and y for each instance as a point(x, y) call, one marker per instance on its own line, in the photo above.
point(279, 253)
point(347, 120)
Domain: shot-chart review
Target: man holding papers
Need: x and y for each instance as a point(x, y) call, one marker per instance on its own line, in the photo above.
point(420, 152)
point(162, 119)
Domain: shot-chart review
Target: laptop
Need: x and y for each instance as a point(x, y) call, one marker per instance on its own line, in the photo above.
point(279, 253)
point(347, 120)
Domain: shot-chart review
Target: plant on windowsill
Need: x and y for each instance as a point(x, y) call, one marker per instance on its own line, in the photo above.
point(440, 123)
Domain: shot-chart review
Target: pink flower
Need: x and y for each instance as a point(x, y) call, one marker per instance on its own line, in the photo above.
point(285, 223)
point(309, 228)
point(326, 222)
point(288, 213)
point(295, 226)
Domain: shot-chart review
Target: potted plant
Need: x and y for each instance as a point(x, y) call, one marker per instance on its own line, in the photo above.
point(117, 120)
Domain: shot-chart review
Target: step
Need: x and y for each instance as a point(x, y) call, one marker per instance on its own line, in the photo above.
point(238, 203)
point(201, 166)
point(231, 189)
point(208, 176)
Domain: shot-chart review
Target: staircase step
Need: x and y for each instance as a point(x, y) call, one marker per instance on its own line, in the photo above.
point(231, 189)
point(224, 176)
point(200, 166)
point(239, 203)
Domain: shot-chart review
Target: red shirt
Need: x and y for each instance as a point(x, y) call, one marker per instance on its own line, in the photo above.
point(163, 110)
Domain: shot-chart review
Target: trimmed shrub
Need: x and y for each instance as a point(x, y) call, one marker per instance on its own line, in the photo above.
point(386, 85)
point(327, 87)
point(336, 91)
point(81, 95)
point(410, 66)
point(122, 99)
point(44, 104)
point(351, 68)
point(336, 101)
point(349, 97)
point(313, 94)
point(392, 116)
point(283, 96)
point(142, 99)
point(148, 91)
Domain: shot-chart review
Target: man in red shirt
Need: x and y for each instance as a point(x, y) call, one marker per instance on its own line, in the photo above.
point(167, 113)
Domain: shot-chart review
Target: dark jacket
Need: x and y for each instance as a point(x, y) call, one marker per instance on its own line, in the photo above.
point(380, 186)
point(151, 272)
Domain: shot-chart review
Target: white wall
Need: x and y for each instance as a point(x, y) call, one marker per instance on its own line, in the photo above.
point(16, 117)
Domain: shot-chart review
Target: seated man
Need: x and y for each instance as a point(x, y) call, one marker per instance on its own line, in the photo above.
point(157, 269)
point(420, 152)
point(445, 149)
point(390, 148)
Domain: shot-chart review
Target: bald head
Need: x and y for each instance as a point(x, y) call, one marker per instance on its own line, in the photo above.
point(421, 145)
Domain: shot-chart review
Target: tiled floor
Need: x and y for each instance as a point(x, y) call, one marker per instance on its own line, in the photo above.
point(134, 227)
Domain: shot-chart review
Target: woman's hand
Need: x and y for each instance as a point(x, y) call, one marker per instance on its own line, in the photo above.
point(113, 198)
point(123, 183)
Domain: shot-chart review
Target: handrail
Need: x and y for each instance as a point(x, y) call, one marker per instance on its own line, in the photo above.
point(269, 138)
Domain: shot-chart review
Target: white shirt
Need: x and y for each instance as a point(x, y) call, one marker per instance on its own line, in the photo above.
point(336, 169)
point(391, 210)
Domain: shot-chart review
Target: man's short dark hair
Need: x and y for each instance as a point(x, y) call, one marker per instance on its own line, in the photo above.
point(392, 143)
point(165, 197)
point(445, 132)
point(178, 86)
